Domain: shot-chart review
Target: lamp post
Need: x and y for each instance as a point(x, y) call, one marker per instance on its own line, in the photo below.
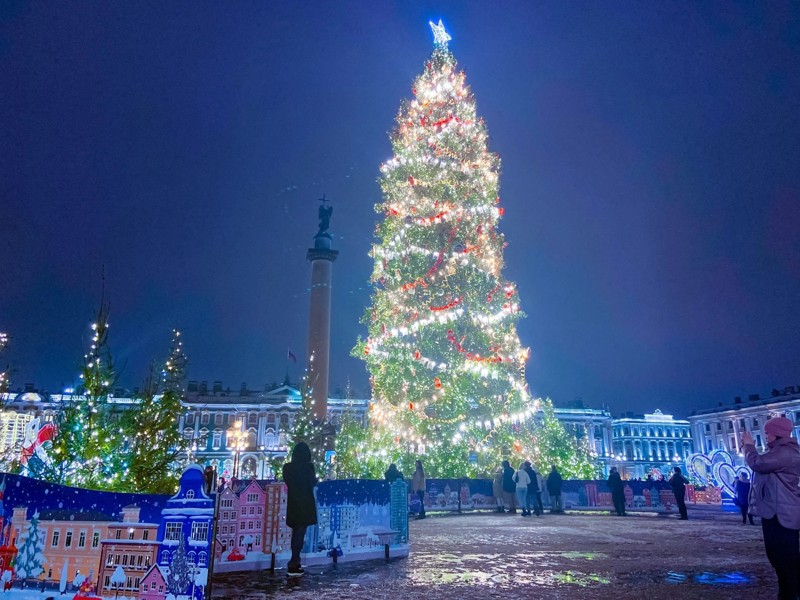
point(236, 443)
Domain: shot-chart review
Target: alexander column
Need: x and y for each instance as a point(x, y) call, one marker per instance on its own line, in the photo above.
point(319, 315)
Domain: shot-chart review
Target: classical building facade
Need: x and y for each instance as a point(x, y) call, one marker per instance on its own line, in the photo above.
point(644, 443)
point(721, 427)
point(240, 433)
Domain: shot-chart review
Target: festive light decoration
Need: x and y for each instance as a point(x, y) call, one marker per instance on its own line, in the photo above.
point(440, 36)
point(4, 373)
point(447, 367)
point(101, 445)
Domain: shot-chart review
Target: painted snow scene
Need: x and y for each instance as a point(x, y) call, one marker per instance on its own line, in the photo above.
point(62, 542)
point(356, 520)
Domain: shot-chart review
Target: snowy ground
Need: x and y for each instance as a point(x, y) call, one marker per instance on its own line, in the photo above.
point(575, 556)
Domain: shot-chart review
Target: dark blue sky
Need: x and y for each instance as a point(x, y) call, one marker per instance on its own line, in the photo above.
point(651, 181)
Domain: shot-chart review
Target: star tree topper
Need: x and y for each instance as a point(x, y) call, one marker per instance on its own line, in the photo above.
point(440, 36)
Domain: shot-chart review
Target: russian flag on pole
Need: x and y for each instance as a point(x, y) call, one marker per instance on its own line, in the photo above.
point(290, 356)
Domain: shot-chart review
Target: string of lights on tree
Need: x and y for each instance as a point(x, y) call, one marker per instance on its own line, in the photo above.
point(446, 365)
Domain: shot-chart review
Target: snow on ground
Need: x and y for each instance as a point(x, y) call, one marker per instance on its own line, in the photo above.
point(575, 556)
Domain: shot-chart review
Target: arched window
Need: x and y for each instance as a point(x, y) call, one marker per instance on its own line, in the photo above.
point(252, 418)
point(188, 433)
point(204, 419)
point(269, 439)
point(251, 439)
point(165, 557)
point(271, 418)
point(284, 420)
point(201, 559)
point(192, 555)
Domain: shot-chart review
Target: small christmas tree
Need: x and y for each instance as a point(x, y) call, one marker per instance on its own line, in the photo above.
point(548, 444)
point(154, 444)
point(305, 428)
point(180, 572)
point(30, 557)
point(88, 446)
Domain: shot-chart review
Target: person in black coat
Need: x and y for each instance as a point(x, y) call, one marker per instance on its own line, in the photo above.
point(393, 473)
point(509, 487)
point(554, 483)
point(617, 491)
point(743, 497)
point(678, 484)
point(301, 507)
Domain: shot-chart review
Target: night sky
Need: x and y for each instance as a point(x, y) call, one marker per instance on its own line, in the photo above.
point(650, 179)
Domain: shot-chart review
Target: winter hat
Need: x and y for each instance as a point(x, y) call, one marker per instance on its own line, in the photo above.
point(779, 427)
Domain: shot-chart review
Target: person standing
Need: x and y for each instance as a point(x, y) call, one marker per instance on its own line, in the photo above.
point(534, 497)
point(418, 487)
point(301, 507)
point(392, 473)
point(743, 497)
point(497, 490)
point(509, 487)
point(775, 497)
point(678, 484)
point(522, 479)
point(554, 483)
point(617, 491)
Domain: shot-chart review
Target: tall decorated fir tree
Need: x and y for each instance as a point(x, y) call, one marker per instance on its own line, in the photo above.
point(446, 364)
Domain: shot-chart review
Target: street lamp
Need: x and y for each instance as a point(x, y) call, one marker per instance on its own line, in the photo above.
point(236, 444)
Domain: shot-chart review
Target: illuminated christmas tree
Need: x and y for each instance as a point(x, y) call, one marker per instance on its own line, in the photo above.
point(446, 364)
point(87, 449)
point(154, 447)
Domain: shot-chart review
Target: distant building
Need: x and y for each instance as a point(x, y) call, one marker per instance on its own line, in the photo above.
point(649, 442)
point(214, 417)
point(721, 427)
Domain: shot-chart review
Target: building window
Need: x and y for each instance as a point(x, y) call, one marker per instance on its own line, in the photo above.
point(202, 558)
point(95, 539)
point(68, 539)
point(252, 497)
point(106, 581)
point(174, 531)
point(54, 541)
point(755, 422)
point(200, 531)
point(252, 418)
point(216, 442)
point(124, 560)
point(131, 533)
point(118, 534)
point(218, 419)
point(252, 510)
point(145, 535)
point(190, 419)
point(139, 560)
point(82, 539)
point(719, 426)
point(204, 419)
point(190, 494)
point(244, 511)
